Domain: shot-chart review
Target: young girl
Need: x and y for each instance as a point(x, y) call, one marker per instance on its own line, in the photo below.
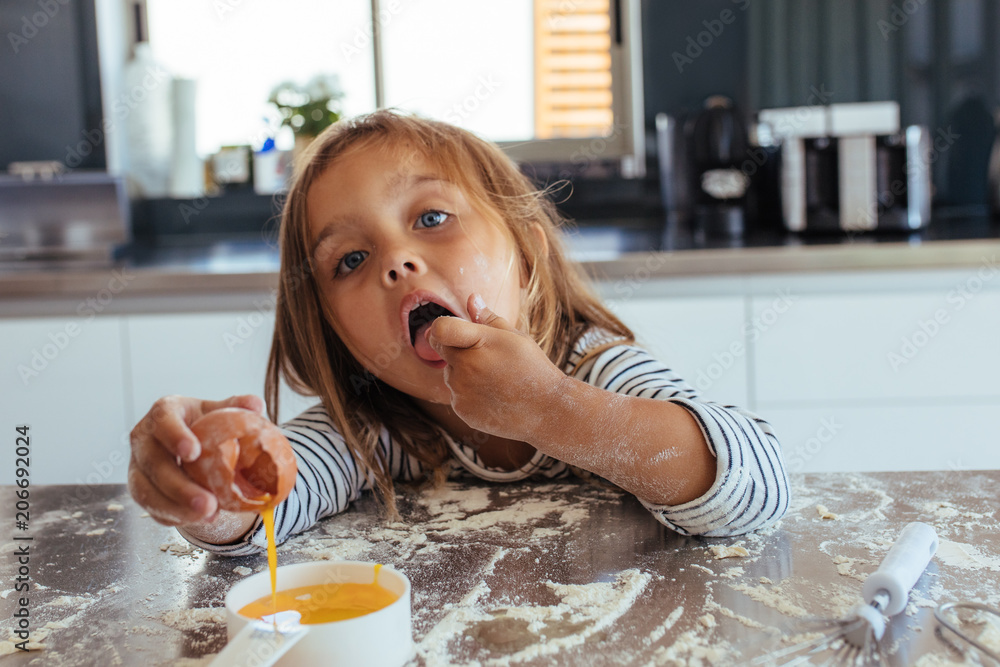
point(425, 298)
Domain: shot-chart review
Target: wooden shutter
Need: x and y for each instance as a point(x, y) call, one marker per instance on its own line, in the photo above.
point(572, 68)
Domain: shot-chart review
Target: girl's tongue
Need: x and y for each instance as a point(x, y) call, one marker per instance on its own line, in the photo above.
point(422, 347)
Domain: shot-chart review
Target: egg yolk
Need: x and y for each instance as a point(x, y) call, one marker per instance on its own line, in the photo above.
point(323, 603)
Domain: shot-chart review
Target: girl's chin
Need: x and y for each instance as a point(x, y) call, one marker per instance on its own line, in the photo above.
point(433, 390)
point(442, 395)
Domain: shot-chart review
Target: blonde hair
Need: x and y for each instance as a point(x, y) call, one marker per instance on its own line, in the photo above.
point(312, 359)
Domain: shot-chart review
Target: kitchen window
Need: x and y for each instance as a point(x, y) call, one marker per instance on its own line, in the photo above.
point(549, 80)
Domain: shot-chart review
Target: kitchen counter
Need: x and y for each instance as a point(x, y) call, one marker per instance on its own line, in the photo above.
point(493, 567)
point(196, 265)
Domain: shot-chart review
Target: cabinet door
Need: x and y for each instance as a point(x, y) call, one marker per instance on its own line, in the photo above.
point(702, 338)
point(211, 356)
point(840, 438)
point(864, 347)
point(63, 378)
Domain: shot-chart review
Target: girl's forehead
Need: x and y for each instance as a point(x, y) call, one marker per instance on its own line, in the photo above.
point(394, 160)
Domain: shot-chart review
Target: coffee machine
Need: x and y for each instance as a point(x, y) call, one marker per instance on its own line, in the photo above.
point(850, 167)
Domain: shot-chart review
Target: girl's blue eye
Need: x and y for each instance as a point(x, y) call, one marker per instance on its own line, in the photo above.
point(432, 218)
point(350, 261)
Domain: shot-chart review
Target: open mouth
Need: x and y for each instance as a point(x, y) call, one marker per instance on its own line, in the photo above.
point(422, 316)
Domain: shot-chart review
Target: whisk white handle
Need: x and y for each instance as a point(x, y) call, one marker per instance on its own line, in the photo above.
point(902, 566)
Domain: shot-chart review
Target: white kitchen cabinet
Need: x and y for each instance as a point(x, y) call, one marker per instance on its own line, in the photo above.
point(205, 355)
point(796, 348)
point(918, 436)
point(831, 347)
point(64, 378)
point(702, 338)
point(860, 374)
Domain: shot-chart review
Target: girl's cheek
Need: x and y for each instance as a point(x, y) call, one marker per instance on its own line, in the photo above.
point(483, 266)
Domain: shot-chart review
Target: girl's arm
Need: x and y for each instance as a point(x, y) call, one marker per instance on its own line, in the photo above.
point(652, 448)
point(749, 488)
point(703, 468)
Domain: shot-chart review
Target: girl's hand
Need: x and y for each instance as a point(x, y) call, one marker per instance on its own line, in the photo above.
point(155, 479)
point(500, 379)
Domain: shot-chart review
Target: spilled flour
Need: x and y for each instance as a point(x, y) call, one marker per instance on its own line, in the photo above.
point(775, 597)
point(729, 552)
point(534, 631)
point(825, 513)
point(966, 556)
point(187, 620)
point(662, 628)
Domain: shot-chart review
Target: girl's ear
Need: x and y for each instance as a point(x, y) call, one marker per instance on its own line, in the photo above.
point(542, 243)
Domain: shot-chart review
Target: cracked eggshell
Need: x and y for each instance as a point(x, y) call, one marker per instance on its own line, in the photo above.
point(245, 460)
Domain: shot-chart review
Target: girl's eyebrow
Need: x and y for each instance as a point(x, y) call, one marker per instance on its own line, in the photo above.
point(331, 229)
point(398, 184)
point(400, 181)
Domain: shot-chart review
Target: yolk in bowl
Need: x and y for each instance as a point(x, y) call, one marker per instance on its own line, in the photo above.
point(323, 603)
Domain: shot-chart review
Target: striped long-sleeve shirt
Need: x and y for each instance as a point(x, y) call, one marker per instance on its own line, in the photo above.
point(750, 489)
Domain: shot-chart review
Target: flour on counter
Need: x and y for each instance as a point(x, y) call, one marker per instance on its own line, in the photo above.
point(657, 634)
point(180, 548)
point(714, 606)
point(691, 650)
point(774, 597)
point(70, 601)
point(845, 567)
point(520, 512)
point(870, 487)
point(187, 620)
point(825, 513)
point(728, 552)
point(447, 499)
point(324, 547)
point(35, 642)
point(965, 556)
point(530, 631)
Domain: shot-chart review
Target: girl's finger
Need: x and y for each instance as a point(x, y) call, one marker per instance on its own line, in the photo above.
point(449, 333)
point(481, 314)
point(245, 401)
point(166, 424)
point(181, 495)
point(161, 508)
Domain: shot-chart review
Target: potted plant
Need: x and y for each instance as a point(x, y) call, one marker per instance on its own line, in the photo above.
point(308, 109)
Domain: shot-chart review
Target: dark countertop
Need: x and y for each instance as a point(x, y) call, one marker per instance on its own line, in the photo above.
point(493, 567)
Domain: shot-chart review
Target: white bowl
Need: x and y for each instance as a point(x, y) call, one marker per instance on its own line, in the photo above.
point(383, 638)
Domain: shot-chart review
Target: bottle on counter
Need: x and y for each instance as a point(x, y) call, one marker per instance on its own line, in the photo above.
point(271, 169)
point(149, 124)
point(186, 170)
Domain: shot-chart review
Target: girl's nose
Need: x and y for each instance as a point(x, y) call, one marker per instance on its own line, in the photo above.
point(400, 264)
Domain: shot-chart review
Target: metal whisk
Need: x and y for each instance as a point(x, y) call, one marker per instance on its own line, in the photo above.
point(854, 640)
